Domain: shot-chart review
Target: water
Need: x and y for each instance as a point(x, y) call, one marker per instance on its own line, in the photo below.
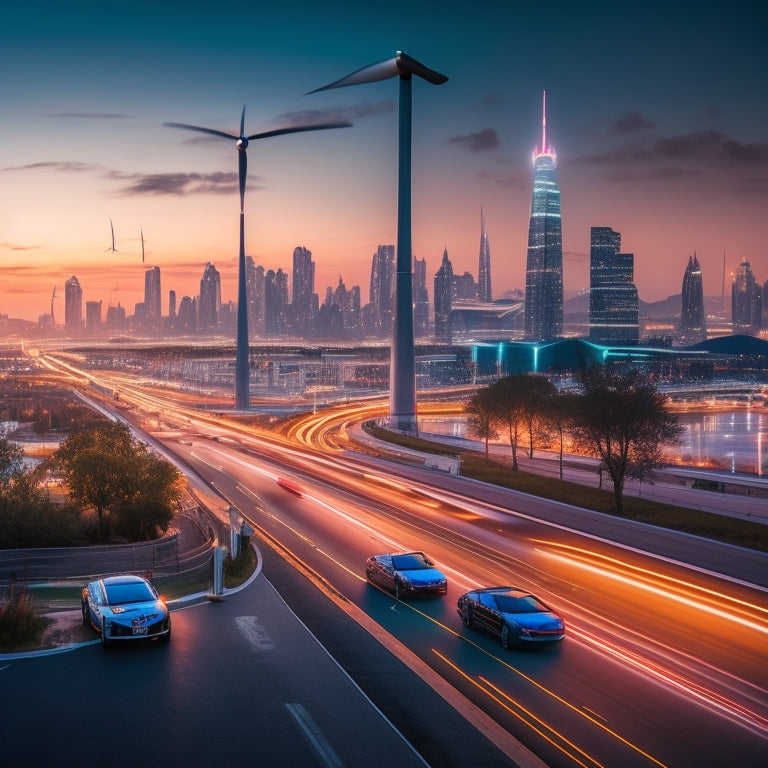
point(733, 440)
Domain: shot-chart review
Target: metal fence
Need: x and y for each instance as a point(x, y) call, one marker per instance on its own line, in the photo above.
point(163, 556)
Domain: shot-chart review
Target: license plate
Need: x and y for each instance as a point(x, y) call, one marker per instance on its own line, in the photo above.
point(140, 630)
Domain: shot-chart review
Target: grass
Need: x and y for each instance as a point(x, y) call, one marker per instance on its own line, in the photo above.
point(730, 530)
point(238, 571)
point(20, 625)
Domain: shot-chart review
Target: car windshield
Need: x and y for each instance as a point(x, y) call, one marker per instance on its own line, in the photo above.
point(410, 562)
point(523, 604)
point(119, 594)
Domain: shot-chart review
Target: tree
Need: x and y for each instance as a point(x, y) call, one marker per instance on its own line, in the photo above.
point(539, 392)
point(108, 471)
point(560, 412)
point(624, 420)
point(11, 462)
point(480, 417)
point(508, 398)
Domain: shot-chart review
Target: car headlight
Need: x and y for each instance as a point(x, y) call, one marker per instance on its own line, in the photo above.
point(117, 609)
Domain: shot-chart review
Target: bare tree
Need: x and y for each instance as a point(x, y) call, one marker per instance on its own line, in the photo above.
point(480, 417)
point(624, 420)
point(560, 412)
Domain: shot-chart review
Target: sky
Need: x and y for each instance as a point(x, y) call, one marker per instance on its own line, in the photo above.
point(658, 113)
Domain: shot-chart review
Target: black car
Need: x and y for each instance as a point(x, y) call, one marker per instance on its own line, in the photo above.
point(125, 608)
point(406, 573)
point(514, 615)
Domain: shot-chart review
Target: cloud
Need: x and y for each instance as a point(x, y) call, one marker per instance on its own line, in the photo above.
point(16, 247)
point(482, 141)
point(216, 183)
point(674, 157)
point(337, 114)
point(89, 115)
point(630, 123)
point(62, 166)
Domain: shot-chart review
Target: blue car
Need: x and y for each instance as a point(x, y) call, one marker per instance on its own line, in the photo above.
point(513, 615)
point(406, 573)
point(125, 608)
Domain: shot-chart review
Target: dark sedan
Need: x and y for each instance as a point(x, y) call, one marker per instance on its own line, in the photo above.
point(514, 615)
point(125, 608)
point(406, 573)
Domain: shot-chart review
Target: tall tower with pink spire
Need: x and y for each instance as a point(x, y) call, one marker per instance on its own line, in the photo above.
point(544, 265)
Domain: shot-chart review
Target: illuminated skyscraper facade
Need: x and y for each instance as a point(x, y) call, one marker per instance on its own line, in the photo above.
point(693, 321)
point(544, 265)
point(613, 300)
point(484, 271)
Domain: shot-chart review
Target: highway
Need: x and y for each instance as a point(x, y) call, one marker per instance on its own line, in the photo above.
point(664, 662)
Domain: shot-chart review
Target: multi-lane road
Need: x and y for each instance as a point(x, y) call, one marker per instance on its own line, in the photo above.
point(665, 659)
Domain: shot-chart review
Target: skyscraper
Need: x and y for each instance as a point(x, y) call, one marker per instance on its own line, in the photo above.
point(152, 297)
point(544, 266)
point(254, 280)
point(276, 302)
point(93, 316)
point(73, 306)
point(382, 288)
point(304, 305)
point(443, 297)
point(420, 298)
point(693, 321)
point(484, 270)
point(210, 299)
point(613, 301)
point(746, 300)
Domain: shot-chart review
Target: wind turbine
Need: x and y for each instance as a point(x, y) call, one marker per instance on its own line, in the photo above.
point(242, 384)
point(402, 386)
point(112, 228)
point(53, 318)
point(142, 246)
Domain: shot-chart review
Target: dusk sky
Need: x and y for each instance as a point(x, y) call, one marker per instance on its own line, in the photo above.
point(658, 113)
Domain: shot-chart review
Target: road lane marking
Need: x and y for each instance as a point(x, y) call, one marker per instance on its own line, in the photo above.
point(253, 631)
point(309, 728)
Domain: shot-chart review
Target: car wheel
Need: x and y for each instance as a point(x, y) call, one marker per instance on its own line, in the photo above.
point(467, 619)
point(167, 635)
point(508, 639)
point(398, 588)
point(104, 638)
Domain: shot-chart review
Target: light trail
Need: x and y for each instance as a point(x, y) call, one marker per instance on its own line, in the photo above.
point(707, 606)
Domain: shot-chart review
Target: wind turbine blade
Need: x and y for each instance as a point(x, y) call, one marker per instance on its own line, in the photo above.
point(298, 129)
point(370, 74)
point(211, 131)
point(407, 64)
point(242, 122)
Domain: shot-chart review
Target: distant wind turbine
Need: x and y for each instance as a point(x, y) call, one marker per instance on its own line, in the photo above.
point(142, 246)
point(242, 384)
point(53, 318)
point(112, 249)
point(402, 387)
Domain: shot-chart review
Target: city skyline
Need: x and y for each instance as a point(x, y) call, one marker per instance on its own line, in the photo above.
point(669, 148)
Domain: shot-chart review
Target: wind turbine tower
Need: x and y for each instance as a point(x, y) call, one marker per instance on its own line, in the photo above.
point(242, 370)
point(402, 375)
